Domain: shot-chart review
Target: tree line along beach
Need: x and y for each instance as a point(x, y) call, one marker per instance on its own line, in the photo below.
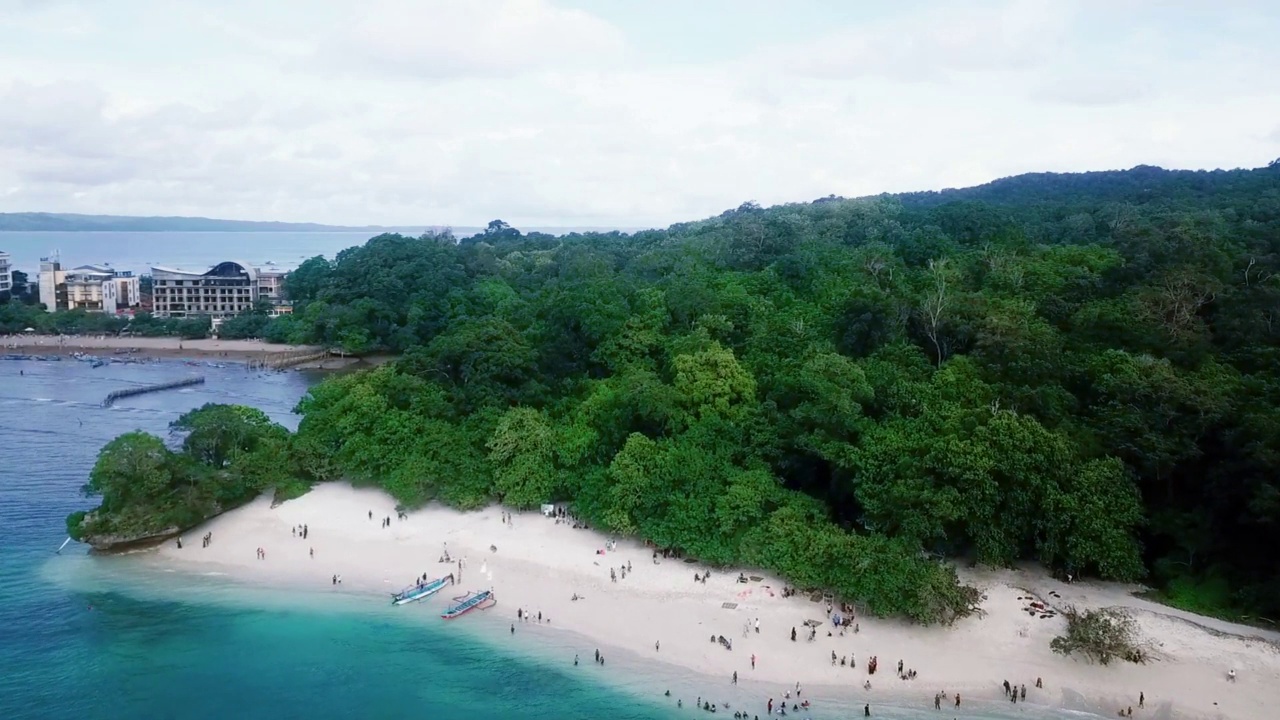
point(859, 398)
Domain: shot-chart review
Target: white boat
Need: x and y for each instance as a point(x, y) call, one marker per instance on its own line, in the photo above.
point(420, 591)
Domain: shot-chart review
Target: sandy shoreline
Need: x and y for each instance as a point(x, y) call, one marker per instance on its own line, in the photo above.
point(147, 347)
point(539, 565)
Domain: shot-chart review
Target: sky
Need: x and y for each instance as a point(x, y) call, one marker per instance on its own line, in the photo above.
point(617, 113)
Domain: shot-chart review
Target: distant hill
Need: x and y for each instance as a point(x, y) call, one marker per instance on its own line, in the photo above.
point(1139, 185)
point(70, 222)
point(67, 222)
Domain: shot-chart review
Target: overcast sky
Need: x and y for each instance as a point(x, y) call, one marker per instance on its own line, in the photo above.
point(606, 112)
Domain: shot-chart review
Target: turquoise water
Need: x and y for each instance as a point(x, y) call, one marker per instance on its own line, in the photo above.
point(105, 638)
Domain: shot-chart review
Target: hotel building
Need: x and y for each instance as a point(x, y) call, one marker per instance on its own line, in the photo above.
point(93, 288)
point(225, 290)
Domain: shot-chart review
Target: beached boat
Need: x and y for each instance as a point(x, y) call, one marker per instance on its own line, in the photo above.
point(471, 601)
point(421, 590)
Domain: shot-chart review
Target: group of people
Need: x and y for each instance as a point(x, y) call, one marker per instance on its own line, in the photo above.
point(624, 569)
point(301, 531)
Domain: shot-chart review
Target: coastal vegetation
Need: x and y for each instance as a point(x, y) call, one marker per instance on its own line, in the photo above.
point(228, 455)
point(1077, 370)
point(1103, 636)
point(17, 317)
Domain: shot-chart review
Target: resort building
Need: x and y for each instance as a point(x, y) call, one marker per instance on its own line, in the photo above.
point(6, 273)
point(93, 288)
point(97, 288)
point(225, 290)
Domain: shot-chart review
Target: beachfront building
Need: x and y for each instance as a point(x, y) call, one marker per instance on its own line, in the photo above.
point(93, 288)
point(99, 288)
point(53, 284)
point(6, 273)
point(225, 290)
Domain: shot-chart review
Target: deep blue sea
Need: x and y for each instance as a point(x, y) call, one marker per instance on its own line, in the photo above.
point(101, 638)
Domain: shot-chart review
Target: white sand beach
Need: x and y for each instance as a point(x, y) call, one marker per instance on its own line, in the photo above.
point(539, 565)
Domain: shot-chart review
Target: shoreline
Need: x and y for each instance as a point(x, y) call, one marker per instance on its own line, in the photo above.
point(137, 349)
point(144, 347)
point(538, 565)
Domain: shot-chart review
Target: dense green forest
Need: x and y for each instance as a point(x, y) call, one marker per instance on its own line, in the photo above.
point(1080, 370)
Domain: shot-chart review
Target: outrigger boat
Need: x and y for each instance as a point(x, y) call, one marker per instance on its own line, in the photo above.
point(421, 590)
point(466, 603)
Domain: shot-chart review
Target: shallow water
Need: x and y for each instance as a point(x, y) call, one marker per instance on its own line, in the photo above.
point(104, 638)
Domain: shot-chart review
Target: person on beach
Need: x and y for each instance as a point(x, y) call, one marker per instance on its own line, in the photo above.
point(753, 661)
point(866, 710)
point(1024, 693)
point(735, 677)
point(575, 660)
point(513, 628)
point(313, 553)
point(1142, 700)
point(957, 699)
point(1006, 688)
point(793, 634)
point(657, 645)
point(1039, 683)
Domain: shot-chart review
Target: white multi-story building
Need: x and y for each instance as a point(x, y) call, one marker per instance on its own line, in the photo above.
point(53, 284)
point(225, 290)
point(98, 288)
point(6, 273)
point(94, 288)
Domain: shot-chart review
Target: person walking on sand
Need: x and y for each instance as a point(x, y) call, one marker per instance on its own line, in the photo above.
point(313, 553)
point(657, 645)
point(735, 677)
point(1142, 700)
point(957, 699)
point(1024, 693)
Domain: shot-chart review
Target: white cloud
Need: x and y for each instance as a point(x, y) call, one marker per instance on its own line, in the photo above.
point(457, 113)
point(439, 39)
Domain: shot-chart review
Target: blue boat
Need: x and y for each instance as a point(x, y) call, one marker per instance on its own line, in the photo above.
point(467, 603)
point(417, 592)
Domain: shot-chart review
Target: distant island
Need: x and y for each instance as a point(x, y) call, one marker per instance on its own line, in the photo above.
point(70, 222)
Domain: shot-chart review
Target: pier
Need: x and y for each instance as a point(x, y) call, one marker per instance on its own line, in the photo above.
point(130, 392)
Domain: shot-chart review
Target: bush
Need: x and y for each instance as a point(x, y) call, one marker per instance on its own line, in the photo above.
point(1100, 635)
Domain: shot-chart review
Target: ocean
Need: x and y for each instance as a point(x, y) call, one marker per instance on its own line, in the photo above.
point(101, 638)
point(139, 251)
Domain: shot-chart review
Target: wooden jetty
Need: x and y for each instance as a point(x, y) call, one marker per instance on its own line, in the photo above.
point(130, 392)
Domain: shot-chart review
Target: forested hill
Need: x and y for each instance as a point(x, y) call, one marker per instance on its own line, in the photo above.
point(1082, 371)
point(1140, 185)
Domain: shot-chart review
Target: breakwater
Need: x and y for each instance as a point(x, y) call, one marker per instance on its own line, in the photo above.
point(282, 360)
point(129, 392)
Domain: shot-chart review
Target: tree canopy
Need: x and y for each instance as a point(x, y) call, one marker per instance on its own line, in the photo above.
point(1080, 370)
